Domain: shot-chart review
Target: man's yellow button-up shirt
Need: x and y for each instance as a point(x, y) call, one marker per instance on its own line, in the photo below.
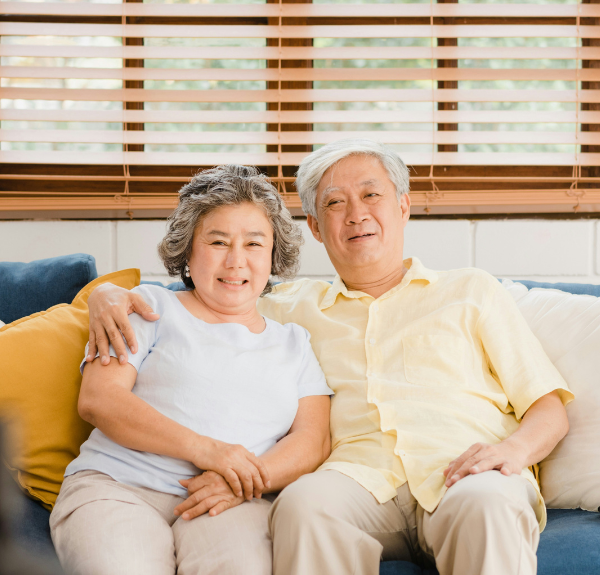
point(440, 362)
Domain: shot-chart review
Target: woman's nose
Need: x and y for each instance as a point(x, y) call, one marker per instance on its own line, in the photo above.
point(235, 258)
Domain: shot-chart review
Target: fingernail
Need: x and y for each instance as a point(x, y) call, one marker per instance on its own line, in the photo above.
point(175, 512)
point(268, 484)
point(133, 349)
point(104, 359)
point(455, 477)
point(122, 358)
point(475, 469)
point(88, 358)
point(185, 516)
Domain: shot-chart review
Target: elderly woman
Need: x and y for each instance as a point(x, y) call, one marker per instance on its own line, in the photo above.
point(217, 405)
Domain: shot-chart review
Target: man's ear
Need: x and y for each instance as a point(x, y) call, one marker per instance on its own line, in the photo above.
point(313, 224)
point(405, 207)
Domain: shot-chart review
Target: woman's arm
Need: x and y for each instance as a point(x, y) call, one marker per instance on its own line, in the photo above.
point(301, 451)
point(305, 447)
point(107, 402)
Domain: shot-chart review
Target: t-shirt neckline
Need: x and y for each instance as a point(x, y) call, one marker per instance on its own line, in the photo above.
point(193, 318)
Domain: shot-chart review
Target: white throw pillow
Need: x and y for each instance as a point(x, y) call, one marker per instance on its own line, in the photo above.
point(568, 327)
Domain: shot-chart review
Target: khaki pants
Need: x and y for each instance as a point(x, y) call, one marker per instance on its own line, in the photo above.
point(102, 527)
point(326, 523)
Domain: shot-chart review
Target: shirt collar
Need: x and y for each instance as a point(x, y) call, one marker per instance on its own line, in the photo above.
point(416, 271)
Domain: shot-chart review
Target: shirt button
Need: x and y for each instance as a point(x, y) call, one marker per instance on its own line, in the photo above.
point(372, 341)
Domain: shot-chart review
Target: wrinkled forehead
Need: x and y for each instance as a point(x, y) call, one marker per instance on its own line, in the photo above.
point(355, 169)
point(245, 218)
point(361, 185)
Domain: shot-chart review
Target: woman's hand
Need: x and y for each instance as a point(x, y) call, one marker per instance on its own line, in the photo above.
point(109, 307)
point(507, 457)
point(238, 466)
point(208, 492)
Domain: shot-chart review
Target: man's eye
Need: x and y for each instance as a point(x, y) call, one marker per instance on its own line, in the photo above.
point(255, 244)
point(218, 243)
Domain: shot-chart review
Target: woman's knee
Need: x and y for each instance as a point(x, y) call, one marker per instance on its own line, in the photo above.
point(114, 538)
point(236, 541)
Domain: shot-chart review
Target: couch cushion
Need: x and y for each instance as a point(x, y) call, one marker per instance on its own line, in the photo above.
point(30, 528)
point(570, 544)
point(27, 288)
point(581, 289)
point(568, 327)
point(40, 356)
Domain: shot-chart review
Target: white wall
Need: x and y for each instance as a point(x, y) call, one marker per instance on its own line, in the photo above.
point(541, 250)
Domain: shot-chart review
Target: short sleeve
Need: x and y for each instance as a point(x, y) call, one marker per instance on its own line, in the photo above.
point(516, 356)
point(145, 331)
point(311, 379)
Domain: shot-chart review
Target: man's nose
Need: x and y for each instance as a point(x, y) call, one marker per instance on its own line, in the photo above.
point(357, 213)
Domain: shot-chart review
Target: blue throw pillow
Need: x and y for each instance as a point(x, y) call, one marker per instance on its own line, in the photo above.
point(36, 286)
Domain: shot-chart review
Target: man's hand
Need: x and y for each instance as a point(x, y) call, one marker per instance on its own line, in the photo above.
point(109, 307)
point(507, 457)
point(208, 492)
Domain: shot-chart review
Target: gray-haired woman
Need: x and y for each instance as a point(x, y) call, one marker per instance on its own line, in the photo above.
point(212, 386)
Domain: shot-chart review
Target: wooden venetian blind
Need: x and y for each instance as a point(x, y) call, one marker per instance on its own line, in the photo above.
point(494, 106)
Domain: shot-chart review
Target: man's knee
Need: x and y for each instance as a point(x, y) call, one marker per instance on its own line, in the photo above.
point(323, 494)
point(298, 501)
point(487, 496)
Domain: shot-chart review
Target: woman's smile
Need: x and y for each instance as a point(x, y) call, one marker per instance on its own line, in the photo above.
point(234, 282)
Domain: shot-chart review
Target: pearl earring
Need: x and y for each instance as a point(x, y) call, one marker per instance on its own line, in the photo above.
point(186, 271)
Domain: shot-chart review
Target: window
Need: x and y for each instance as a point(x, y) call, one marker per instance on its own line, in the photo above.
point(108, 107)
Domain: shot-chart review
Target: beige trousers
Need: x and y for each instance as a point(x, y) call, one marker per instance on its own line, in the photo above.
point(102, 527)
point(326, 523)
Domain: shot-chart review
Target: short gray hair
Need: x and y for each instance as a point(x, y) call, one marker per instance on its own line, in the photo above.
point(227, 186)
point(316, 164)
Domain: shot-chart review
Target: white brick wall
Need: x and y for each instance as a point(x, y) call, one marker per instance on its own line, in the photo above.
point(540, 250)
point(440, 244)
point(534, 248)
point(27, 241)
point(137, 246)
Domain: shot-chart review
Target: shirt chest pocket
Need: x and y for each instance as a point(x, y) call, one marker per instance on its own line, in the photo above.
point(435, 360)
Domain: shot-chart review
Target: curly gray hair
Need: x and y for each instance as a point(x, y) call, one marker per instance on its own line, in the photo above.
point(226, 186)
point(316, 164)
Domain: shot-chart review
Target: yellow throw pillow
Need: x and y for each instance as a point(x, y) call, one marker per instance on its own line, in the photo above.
point(39, 388)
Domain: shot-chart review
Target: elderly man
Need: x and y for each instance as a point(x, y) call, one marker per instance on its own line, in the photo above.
point(444, 398)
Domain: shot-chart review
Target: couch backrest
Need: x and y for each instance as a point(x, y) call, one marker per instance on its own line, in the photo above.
point(27, 288)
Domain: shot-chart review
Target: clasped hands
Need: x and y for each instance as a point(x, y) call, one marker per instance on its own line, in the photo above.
point(208, 493)
point(508, 457)
point(233, 475)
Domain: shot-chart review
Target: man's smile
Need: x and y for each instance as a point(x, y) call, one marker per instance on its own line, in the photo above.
point(360, 237)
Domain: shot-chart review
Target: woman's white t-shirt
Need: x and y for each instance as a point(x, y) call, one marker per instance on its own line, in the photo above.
point(219, 380)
